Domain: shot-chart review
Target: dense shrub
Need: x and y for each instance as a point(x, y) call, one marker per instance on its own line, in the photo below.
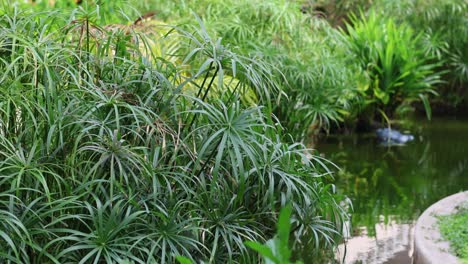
point(318, 80)
point(140, 142)
point(444, 37)
point(400, 71)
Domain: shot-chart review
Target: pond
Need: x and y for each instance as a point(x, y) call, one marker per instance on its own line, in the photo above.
point(391, 186)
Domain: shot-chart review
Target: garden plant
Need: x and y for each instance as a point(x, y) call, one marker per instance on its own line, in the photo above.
point(141, 142)
point(150, 131)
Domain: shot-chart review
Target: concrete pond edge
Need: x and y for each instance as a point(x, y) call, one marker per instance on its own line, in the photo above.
point(429, 247)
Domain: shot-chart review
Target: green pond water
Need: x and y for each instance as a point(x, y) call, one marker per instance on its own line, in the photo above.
point(396, 184)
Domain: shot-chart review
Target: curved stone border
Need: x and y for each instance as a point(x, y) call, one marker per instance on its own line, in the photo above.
point(428, 244)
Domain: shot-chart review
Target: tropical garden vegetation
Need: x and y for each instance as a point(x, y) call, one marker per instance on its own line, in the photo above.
point(149, 131)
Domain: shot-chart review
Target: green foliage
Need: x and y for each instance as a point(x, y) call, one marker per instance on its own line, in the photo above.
point(276, 250)
point(442, 24)
point(390, 53)
point(138, 143)
point(455, 230)
point(317, 79)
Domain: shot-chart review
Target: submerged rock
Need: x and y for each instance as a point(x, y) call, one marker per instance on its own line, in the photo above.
point(388, 135)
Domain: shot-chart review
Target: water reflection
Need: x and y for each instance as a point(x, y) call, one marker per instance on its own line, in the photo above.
point(390, 239)
point(393, 185)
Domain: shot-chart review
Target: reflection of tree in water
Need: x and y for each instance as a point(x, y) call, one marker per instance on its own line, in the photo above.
point(398, 183)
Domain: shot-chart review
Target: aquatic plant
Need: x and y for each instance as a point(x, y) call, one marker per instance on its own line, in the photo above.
point(317, 79)
point(136, 144)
